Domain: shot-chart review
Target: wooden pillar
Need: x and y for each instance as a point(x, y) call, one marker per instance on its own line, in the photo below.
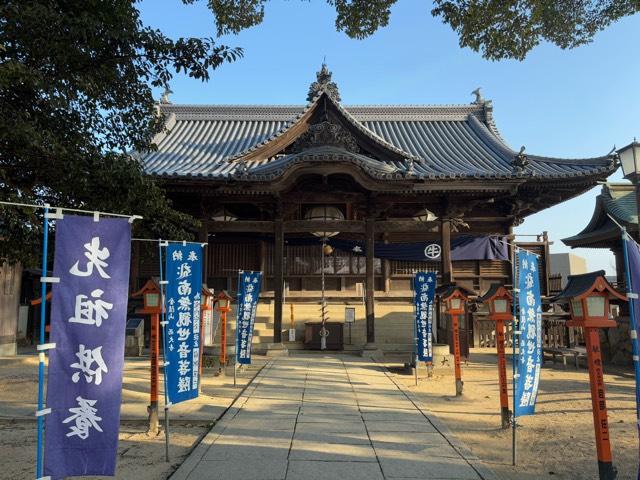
point(263, 257)
point(547, 263)
point(445, 256)
point(203, 237)
point(370, 280)
point(135, 267)
point(620, 271)
point(278, 279)
point(621, 280)
point(386, 268)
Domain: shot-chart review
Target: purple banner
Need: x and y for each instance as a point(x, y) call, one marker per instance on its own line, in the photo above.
point(632, 256)
point(88, 316)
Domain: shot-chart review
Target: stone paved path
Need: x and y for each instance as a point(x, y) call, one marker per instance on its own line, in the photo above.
point(327, 417)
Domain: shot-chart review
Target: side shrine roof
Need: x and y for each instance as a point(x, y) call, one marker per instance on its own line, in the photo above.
point(237, 142)
point(617, 200)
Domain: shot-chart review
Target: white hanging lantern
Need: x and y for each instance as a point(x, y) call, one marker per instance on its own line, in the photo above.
point(425, 215)
point(324, 213)
point(223, 215)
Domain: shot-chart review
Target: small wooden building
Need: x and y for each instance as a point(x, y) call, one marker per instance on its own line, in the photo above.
point(10, 281)
point(615, 206)
point(394, 178)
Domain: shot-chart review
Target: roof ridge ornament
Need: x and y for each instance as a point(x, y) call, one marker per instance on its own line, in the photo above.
point(479, 98)
point(323, 83)
point(520, 161)
point(165, 96)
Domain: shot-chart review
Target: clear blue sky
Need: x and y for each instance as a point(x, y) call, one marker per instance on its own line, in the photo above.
point(574, 103)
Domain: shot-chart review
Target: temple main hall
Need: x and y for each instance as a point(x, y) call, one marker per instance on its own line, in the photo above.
point(339, 205)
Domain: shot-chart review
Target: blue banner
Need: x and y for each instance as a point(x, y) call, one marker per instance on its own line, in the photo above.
point(249, 284)
point(632, 257)
point(88, 317)
point(183, 301)
point(530, 338)
point(424, 287)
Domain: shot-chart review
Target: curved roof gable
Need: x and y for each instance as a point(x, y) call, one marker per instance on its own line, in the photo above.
point(316, 111)
point(615, 205)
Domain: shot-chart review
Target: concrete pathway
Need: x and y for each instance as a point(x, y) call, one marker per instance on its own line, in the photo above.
point(317, 417)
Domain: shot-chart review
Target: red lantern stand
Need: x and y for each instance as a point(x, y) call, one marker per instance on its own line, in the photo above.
point(455, 300)
point(500, 300)
point(150, 294)
point(589, 296)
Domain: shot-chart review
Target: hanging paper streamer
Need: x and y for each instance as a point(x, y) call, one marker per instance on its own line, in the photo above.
point(184, 304)
point(424, 286)
point(88, 317)
point(530, 327)
point(249, 284)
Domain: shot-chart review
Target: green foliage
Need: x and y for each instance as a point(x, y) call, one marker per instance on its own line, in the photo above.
point(75, 97)
point(76, 78)
point(511, 29)
point(498, 28)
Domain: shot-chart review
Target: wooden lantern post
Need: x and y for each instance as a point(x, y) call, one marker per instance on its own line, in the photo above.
point(456, 299)
point(588, 295)
point(224, 306)
point(500, 300)
point(150, 294)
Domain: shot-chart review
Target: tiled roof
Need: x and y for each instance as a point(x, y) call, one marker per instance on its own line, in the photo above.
point(579, 284)
point(440, 142)
point(617, 200)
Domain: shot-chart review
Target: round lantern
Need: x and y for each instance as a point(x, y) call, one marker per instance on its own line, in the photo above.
point(324, 213)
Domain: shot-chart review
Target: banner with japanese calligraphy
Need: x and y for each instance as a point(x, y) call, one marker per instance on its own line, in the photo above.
point(249, 284)
point(88, 319)
point(184, 307)
point(632, 251)
point(530, 338)
point(424, 287)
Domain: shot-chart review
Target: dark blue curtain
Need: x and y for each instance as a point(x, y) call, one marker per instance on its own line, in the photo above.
point(464, 247)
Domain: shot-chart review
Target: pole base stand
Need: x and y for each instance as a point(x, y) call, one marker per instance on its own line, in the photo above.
point(607, 471)
point(505, 415)
point(154, 422)
point(459, 384)
point(371, 350)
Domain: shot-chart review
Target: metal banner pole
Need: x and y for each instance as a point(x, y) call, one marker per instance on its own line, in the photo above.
point(163, 312)
point(513, 359)
point(154, 347)
point(41, 354)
